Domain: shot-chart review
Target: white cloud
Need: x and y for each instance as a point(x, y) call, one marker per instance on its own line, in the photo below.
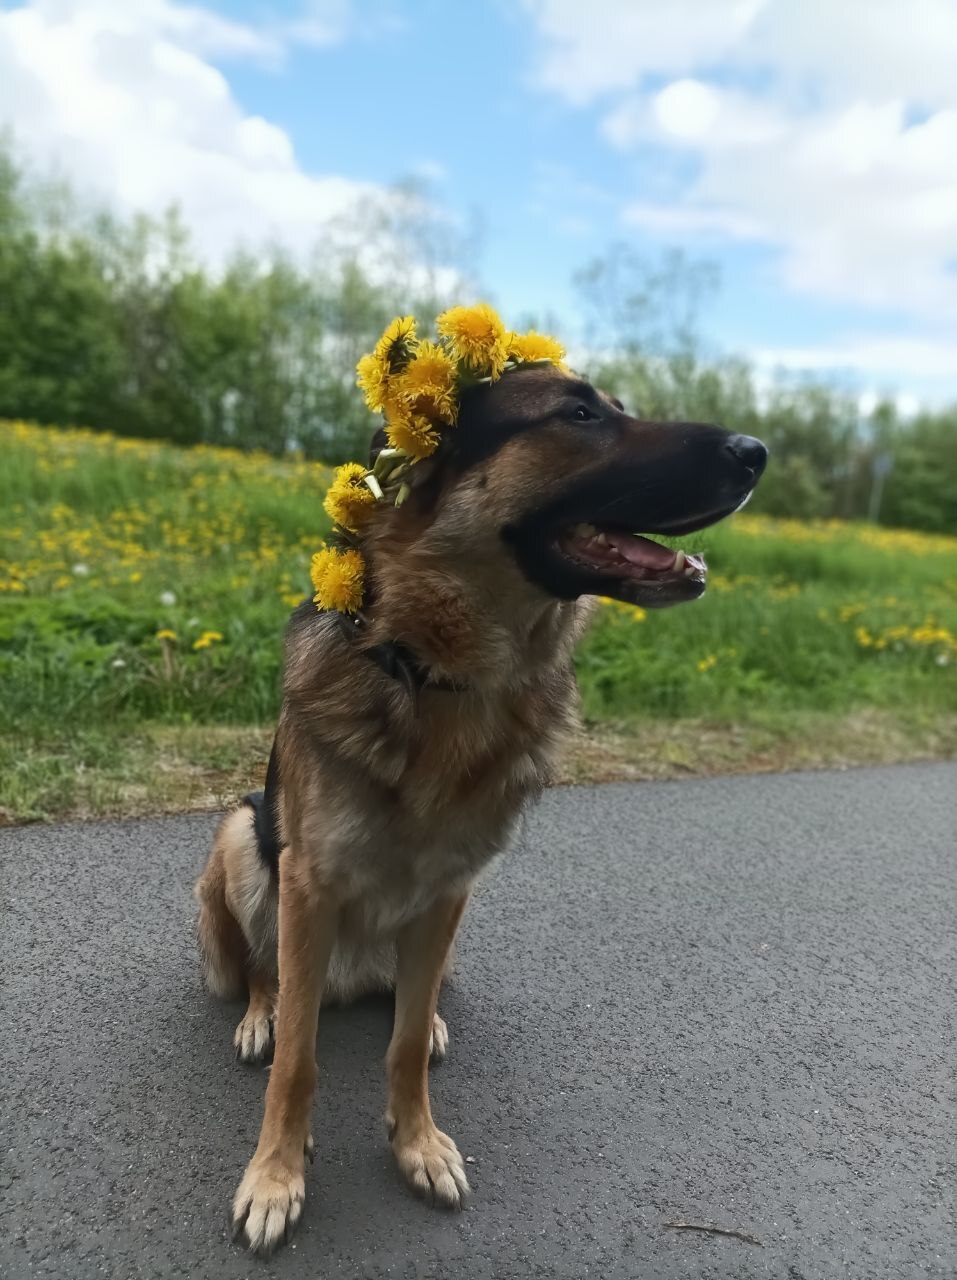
point(591, 50)
point(862, 204)
point(687, 109)
point(123, 100)
point(909, 371)
point(678, 221)
point(845, 158)
point(860, 48)
point(847, 47)
point(690, 113)
point(323, 22)
point(892, 357)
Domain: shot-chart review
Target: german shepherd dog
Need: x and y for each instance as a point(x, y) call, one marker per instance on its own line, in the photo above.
point(410, 740)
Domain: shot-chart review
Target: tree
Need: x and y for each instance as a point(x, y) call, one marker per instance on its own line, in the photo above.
point(635, 306)
point(114, 323)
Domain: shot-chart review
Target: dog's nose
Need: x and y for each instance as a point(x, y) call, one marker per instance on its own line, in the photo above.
point(748, 450)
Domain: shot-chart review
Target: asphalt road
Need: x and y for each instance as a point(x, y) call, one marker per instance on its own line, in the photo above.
point(725, 1002)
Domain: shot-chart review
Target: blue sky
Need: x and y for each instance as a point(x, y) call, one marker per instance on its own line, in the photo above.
point(810, 151)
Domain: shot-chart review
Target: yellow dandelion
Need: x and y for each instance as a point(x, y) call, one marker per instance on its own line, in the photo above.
point(349, 500)
point(372, 377)
point(207, 638)
point(338, 578)
point(428, 383)
point(534, 346)
point(397, 344)
point(477, 337)
point(392, 353)
point(165, 634)
point(413, 433)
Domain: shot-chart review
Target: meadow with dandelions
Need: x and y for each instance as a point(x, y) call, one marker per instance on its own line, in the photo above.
point(144, 587)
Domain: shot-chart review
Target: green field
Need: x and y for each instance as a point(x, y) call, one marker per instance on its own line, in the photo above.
point(143, 589)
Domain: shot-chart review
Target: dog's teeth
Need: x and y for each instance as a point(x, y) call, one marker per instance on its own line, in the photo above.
point(602, 539)
point(680, 560)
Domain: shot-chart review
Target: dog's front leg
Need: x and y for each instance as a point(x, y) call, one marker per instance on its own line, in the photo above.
point(269, 1200)
point(428, 1158)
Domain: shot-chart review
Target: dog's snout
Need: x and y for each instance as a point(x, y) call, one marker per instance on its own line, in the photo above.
point(749, 451)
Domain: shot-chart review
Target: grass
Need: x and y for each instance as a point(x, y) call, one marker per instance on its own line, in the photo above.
point(143, 589)
point(147, 769)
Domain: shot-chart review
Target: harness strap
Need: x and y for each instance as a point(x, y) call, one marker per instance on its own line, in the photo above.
point(399, 663)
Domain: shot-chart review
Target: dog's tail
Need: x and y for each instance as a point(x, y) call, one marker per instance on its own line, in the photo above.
point(238, 903)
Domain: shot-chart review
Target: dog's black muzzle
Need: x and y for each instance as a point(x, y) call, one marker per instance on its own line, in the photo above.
point(652, 478)
point(670, 478)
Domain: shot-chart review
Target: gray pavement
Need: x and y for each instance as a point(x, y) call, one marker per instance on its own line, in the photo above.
point(726, 1001)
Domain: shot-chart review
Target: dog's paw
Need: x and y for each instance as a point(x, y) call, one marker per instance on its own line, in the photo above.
point(439, 1039)
point(255, 1039)
point(432, 1166)
point(268, 1205)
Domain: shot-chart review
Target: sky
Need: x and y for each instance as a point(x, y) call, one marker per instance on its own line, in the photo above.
point(808, 149)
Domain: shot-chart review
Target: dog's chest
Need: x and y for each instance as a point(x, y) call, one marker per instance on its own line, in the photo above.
point(468, 771)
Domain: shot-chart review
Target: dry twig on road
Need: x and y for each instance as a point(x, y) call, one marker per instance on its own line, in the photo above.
point(713, 1230)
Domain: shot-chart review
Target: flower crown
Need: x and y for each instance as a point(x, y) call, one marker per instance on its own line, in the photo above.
point(416, 384)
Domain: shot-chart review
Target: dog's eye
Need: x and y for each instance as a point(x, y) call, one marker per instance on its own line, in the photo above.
point(584, 414)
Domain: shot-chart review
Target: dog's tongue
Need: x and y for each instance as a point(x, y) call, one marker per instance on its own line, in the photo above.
point(642, 551)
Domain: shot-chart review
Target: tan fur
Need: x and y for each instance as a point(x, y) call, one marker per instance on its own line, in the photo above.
point(221, 943)
point(238, 932)
point(429, 1158)
point(391, 803)
point(269, 1198)
point(391, 806)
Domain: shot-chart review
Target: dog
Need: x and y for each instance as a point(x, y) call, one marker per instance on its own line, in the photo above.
point(411, 738)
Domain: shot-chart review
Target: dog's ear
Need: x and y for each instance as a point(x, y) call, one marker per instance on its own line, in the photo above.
point(377, 444)
point(425, 471)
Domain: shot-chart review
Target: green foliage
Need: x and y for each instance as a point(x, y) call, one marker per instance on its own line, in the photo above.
point(113, 324)
point(105, 543)
point(782, 630)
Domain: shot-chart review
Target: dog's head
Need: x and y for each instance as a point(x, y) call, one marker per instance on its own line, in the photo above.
point(562, 479)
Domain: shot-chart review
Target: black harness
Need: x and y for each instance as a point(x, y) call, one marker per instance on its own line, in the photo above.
point(398, 663)
point(265, 817)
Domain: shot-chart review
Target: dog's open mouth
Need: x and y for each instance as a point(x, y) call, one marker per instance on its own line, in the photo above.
point(616, 531)
point(629, 556)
